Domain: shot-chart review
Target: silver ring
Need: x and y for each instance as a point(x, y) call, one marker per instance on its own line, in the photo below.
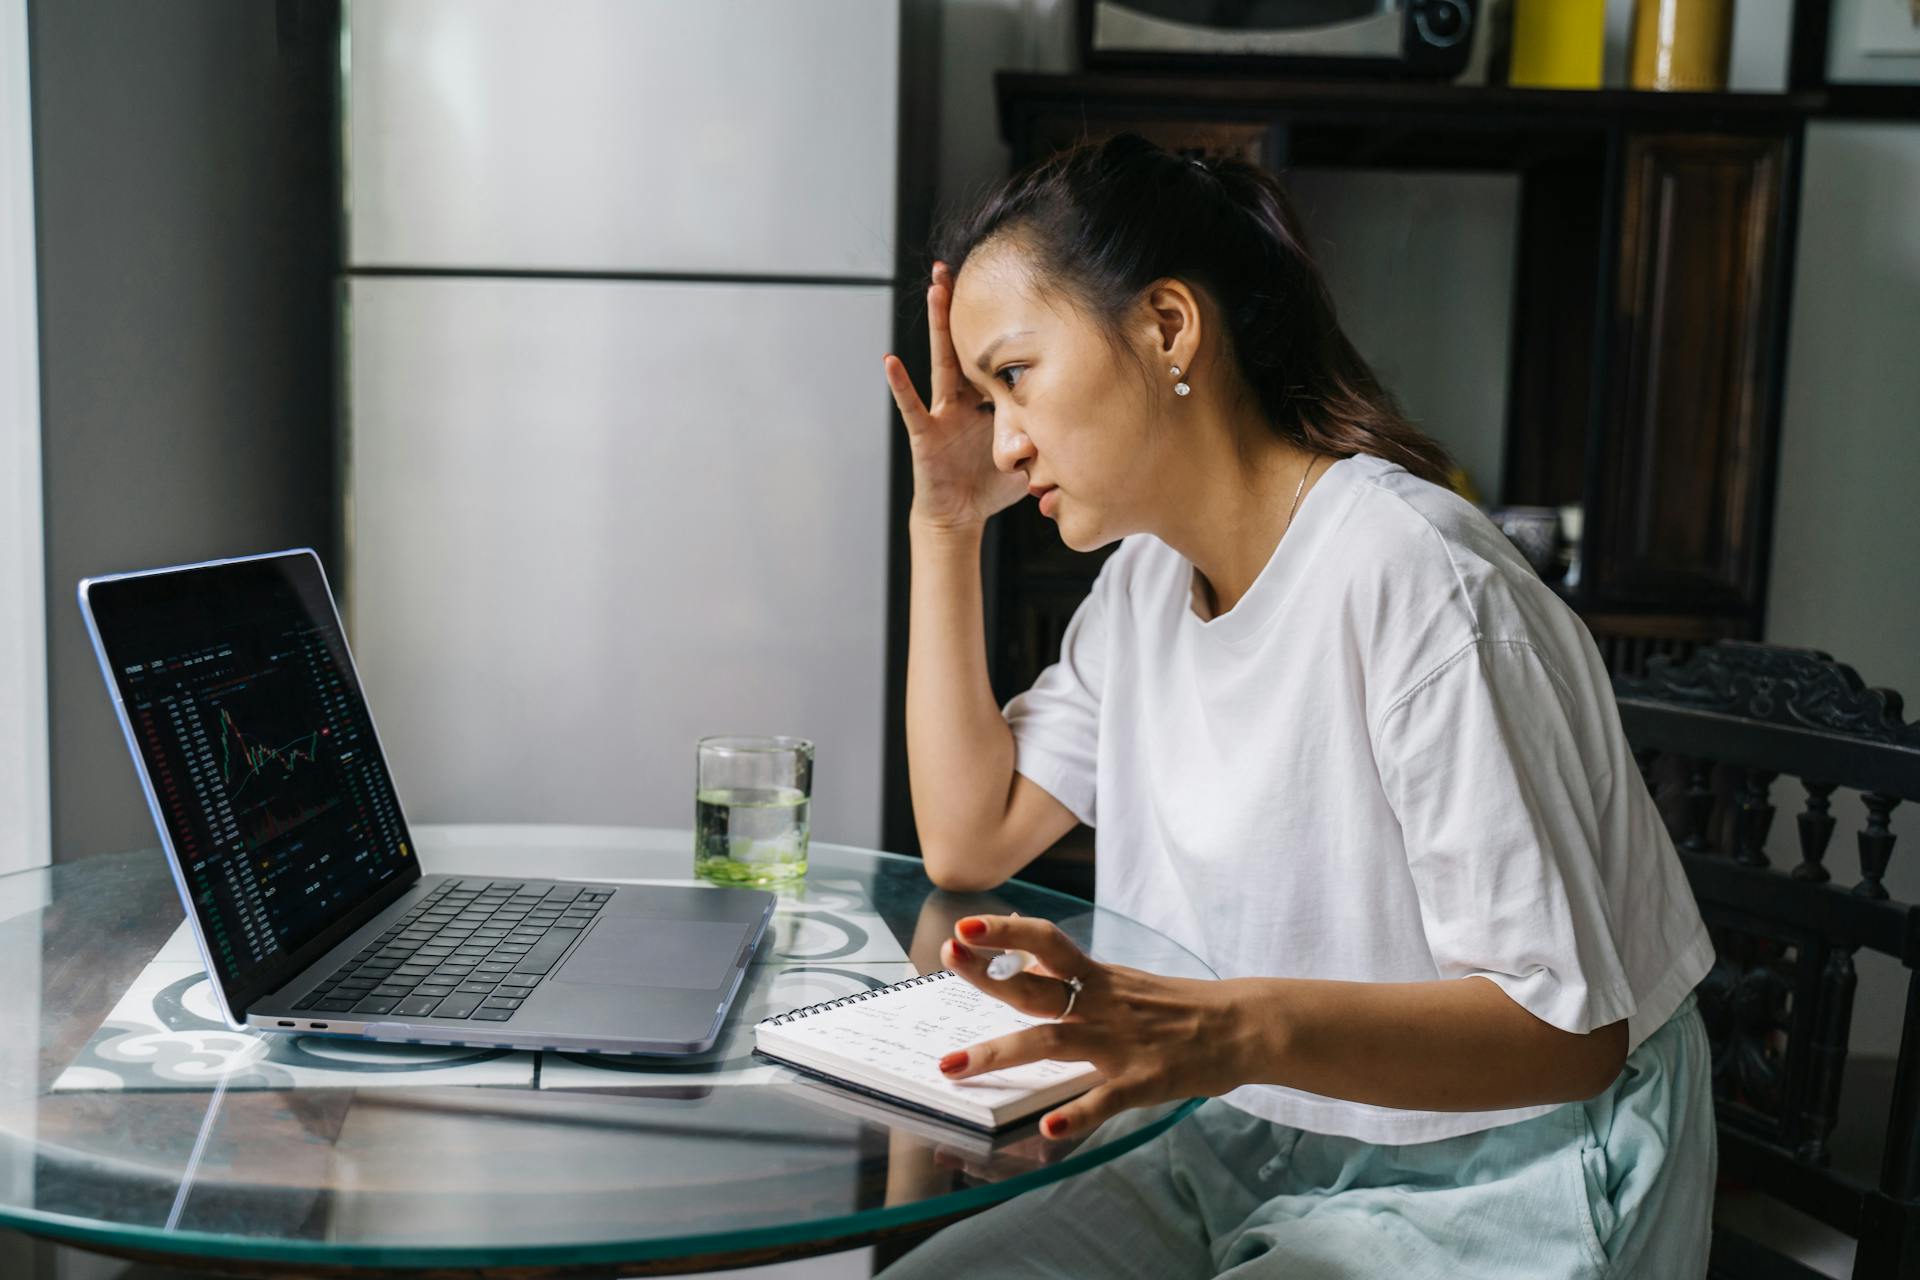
point(1073, 993)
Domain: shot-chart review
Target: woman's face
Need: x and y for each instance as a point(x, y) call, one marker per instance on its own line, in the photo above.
point(1066, 410)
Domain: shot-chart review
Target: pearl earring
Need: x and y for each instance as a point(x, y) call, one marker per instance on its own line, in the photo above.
point(1179, 388)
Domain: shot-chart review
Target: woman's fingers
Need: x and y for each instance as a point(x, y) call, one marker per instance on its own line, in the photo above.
point(947, 378)
point(1030, 993)
point(1088, 1111)
point(1060, 1041)
point(1043, 938)
point(904, 394)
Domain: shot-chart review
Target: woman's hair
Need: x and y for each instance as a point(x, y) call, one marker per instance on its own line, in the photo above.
point(1099, 222)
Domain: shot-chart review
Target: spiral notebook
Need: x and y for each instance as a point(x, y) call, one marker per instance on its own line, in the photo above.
point(889, 1042)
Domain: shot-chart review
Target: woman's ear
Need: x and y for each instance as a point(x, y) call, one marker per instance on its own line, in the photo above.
point(1173, 323)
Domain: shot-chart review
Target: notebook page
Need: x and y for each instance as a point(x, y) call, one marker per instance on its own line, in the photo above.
point(904, 1034)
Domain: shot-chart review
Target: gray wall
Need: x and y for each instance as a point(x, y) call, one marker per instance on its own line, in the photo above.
point(1421, 266)
point(182, 168)
point(1846, 543)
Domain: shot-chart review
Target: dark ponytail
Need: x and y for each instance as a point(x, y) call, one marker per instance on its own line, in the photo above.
point(1101, 221)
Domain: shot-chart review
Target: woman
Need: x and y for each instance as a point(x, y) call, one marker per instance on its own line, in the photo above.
point(1339, 740)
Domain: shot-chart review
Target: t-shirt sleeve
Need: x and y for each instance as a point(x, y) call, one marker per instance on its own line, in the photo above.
point(1499, 809)
point(1056, 723)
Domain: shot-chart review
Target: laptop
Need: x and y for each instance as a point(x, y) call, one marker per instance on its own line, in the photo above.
point(259, 758)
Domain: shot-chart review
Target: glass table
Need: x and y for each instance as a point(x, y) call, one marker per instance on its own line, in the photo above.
point(133, 1122)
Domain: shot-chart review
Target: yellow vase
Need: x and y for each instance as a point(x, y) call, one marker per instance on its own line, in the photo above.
point(1681, 44)
point(1558, 44)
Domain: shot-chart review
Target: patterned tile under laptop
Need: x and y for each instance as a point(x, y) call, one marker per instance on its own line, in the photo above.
point(825, 941)
point(166, 1033)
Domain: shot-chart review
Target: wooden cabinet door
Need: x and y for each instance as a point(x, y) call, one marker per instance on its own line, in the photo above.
point(1683, 492)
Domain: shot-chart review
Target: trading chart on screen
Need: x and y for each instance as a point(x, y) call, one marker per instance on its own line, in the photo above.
point(266, 772)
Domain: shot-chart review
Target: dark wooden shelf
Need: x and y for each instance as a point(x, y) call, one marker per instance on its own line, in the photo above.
point(1421, 103)
point(1889, 102)
point(1384, 124)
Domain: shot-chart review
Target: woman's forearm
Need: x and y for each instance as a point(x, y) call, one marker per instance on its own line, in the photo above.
point(960, 752)
point(1458, 1044)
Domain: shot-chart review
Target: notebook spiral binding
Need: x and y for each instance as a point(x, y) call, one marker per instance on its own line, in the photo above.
point(808, 1011)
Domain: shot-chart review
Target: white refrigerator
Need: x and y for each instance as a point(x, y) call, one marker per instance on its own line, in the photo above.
point(615, 449)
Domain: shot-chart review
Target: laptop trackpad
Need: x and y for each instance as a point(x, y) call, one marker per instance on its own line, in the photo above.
point(638, 951)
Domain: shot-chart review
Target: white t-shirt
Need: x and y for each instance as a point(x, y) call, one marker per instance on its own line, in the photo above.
point(1397, 758)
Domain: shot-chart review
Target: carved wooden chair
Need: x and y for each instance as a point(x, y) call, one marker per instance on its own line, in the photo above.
point(1711, 735)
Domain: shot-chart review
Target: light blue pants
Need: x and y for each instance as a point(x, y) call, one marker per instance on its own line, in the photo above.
point(1618, 1185)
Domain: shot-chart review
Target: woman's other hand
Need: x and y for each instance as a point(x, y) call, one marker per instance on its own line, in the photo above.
point(955, 481)
point(1153, 1038)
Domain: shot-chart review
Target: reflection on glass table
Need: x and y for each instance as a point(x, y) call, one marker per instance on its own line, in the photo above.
point(136, 1122)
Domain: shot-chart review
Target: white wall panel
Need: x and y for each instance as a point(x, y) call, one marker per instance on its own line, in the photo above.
point(747, 137)
point(590, 521)
point(23, 639)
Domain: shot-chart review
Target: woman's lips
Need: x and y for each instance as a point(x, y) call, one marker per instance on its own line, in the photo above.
point(1049, 502)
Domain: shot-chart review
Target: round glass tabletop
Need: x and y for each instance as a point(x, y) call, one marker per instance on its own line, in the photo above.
point(135, 1121)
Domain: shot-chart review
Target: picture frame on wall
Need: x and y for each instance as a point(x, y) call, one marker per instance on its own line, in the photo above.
point(1872, 54)
point(1889, 28)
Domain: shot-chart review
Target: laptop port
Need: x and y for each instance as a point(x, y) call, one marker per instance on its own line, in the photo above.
point(285, 1023)
point(316, 1026)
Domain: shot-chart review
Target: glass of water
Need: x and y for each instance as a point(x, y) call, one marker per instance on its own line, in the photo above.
point(750, 809)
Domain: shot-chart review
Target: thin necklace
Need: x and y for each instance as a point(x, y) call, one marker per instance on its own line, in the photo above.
point(1213, 600)
point(1297, 491)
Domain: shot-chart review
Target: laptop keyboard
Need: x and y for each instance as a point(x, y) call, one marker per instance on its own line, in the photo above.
point(472, 949)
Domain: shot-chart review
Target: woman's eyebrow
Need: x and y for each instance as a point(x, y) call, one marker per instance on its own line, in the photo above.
point(986, 357)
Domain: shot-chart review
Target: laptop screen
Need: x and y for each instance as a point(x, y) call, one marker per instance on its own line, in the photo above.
point(251, 727)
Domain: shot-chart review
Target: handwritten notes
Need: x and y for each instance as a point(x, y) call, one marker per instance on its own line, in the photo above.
point(893, 1039)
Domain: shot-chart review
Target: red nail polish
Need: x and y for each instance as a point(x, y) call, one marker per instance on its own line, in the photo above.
point(960, 950)
point(954, 1061)
point(1053, 1126)
point(972, 927)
